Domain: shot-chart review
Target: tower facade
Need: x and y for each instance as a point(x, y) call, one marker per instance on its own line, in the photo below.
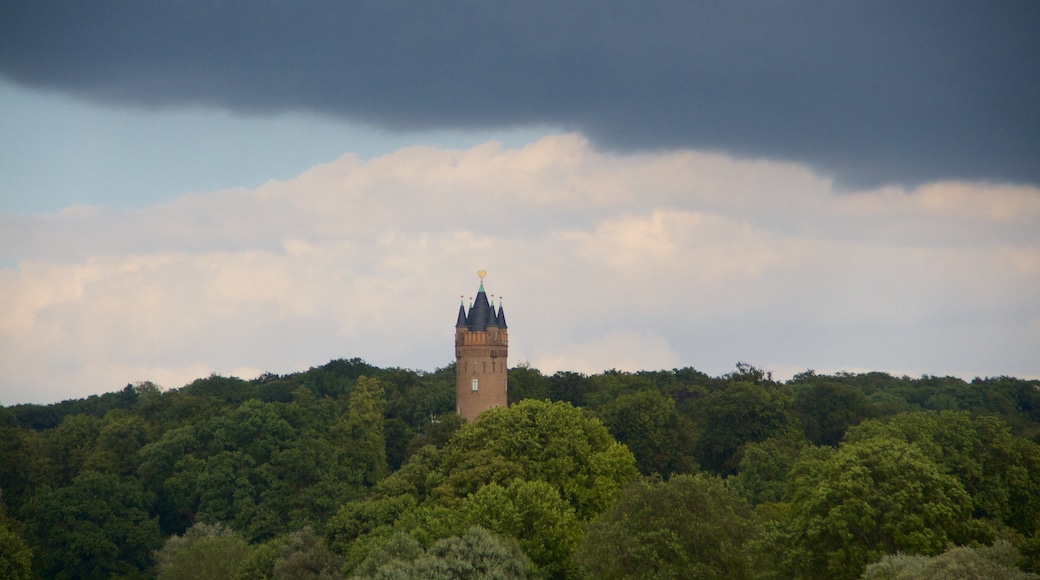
point(481, 348)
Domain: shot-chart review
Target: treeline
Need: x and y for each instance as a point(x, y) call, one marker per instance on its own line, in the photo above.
point(349, 470)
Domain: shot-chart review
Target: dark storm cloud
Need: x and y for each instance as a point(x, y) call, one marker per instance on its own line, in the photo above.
point(871, 92)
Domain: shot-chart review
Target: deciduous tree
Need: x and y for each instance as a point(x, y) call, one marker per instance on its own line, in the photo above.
point(687, 527)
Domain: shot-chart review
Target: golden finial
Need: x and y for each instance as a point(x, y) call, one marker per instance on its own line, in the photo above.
point(481, 274)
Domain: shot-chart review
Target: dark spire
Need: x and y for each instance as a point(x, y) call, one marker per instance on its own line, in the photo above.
point(492, 320)
point(478, 313)
point(501, 316)
point(462, 316)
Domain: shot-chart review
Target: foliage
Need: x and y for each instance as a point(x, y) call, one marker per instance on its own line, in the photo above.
point(536, 440)
point(204, 551)
point(999, 471)
point(874, 497)
point(526, 383)
point(15, 554)
point(364, 429)
point(305, 556)
point(657, 435)
point(991, 563)
point(259, 563)
point(357, 518)
point(534, 513)
point(368, 454)
point(894, 567)
point(764, 467)
point(477, 555)
point(1029, 554)
point(97, 527)
point(687, 527)
point(827, 409)
point(737, 414)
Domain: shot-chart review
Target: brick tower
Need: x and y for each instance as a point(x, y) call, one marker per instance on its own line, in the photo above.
point(481, 346)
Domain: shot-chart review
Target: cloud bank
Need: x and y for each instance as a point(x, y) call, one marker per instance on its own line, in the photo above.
point(604, 260)
point(869, 92)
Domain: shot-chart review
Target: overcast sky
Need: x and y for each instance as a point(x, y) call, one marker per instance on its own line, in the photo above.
point(241, 187)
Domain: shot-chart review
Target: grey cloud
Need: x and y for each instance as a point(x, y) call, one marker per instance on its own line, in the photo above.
point(869, 92)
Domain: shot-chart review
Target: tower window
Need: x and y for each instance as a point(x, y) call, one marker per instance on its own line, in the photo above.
point(474, 385)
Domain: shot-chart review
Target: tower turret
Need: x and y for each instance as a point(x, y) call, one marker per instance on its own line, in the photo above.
point(481, 350)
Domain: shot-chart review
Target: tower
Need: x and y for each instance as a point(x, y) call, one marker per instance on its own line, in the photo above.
point(481, 347)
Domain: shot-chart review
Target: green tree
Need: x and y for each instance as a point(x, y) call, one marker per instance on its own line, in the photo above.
point(687, 527)
point(647, 423)
point(97, 527)
point(739, 413)
point(436, 432)
point(477, 555)
point(157, 464)
point(398, 552)
point(995, 562)
point(363, 430)
point(764, 467)
point(537, 440)
point(826, 409)
point(535, 515)
point(121, 436)
point(206, 551)
point(24, 464)
point(305, 556)
point(70, 443)
point(358, 518)
point(526, 383)
point(15, 554)
point(259, 563)
point(873, 497)
point(1001, 472)
point(219, 488)
point(568, 387)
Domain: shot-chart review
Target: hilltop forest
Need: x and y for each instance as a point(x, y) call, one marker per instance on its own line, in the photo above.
point(352, 471)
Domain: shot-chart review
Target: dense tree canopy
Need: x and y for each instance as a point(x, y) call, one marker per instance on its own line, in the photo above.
point(350, 469)
point(686, 527)
point(874, 497)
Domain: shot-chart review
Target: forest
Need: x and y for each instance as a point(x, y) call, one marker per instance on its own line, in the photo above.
point(348, 470)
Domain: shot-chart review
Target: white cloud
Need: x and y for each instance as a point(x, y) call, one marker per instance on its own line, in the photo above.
point(606, 261)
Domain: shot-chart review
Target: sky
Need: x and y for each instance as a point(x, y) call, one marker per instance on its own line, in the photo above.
point(240, 187)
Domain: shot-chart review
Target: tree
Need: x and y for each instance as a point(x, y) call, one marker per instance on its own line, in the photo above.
point(737, 414)
point(535, 515)
point(15, 554)
point(23, 464)
point(204, 551)
point(357, 518)
point(764, 468)
point(873, 497)
point(363, 430)
point(537, 440)
point(304, 556)
point(995, 562)
point(526, 383)
point(477, 555)
point(687, 527)
point(827, 409)
point(121, 436)
point(1001, 472)
point(647, 423)
point(97, 527)
point(69, 445)
point(568, 387)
